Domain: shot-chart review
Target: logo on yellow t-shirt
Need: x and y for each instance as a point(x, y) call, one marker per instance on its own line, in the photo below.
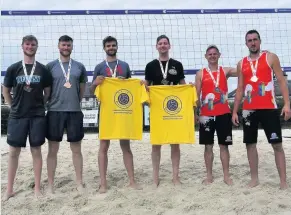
point(123, 99)
point(172, 105)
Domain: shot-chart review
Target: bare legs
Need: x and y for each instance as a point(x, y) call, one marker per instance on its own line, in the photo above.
point(156, 158)
point(103, 163)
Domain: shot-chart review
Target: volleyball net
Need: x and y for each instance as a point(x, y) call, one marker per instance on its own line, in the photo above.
point(190, 32)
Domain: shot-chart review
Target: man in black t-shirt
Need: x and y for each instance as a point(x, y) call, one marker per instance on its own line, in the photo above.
point(164, 71)
point(31, 82)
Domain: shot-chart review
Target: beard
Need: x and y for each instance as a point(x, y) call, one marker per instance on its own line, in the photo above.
point(65, 54)
point(29, 54)
point(254, 51)
point(111, 54)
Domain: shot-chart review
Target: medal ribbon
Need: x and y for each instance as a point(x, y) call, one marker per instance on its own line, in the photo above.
point(216, 82)
point(164, 72)
point(28, 78)
point(66, 75)
point(254, 68)
point(113, 73)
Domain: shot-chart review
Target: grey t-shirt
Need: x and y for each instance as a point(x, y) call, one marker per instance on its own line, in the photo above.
point(102, 69)
point(62, 98)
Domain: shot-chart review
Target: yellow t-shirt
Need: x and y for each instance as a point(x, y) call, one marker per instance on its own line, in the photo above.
point(121, 109)
point(172, 114)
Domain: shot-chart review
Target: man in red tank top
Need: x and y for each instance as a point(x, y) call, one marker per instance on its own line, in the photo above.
point(255, 83)
point(211, 86)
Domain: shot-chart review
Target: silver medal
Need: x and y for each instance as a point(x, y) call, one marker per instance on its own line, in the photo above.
point(27, 88)
point(164, 72)
point(254, 79)
point(165, 82)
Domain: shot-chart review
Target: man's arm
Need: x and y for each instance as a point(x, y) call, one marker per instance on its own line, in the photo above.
point(238, 94)
point(230, 72)
point(7, 95)
point(47, 83)
point(83, 81)
point(198, 83)
point(181, 74)
point(128, 71)
point(82, 90)
point(275, 64)
point(97, 78)
point(146, 83)
point(148, 78)
point(8, 84)
point(46, 94)
point(182, 81)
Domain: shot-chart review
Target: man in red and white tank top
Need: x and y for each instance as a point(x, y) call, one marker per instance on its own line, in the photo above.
point(255, 83)
point(211, 86)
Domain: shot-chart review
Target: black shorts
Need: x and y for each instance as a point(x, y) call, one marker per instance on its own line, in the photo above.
point(58, 121)
point(221, 124)
point(19, 129)
point(270, 122)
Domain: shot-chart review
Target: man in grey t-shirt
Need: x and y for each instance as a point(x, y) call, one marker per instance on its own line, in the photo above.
point(112, 67)
point(64, 110)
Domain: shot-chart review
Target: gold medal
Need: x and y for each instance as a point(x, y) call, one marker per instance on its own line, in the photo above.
point(67, 85)
point(254, 69)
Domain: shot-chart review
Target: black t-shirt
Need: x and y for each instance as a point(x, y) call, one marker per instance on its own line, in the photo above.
point(154, 75)
point(27, 104)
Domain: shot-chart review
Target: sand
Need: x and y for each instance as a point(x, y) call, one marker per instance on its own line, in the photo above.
point(190, 198)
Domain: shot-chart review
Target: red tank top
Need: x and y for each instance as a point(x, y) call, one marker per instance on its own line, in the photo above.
point(259, 94)
point(214, 99)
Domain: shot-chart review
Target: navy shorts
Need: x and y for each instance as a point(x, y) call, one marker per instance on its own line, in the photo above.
point(19, 129)
point(58, 122)
point(221, 124)
point(270, 122)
